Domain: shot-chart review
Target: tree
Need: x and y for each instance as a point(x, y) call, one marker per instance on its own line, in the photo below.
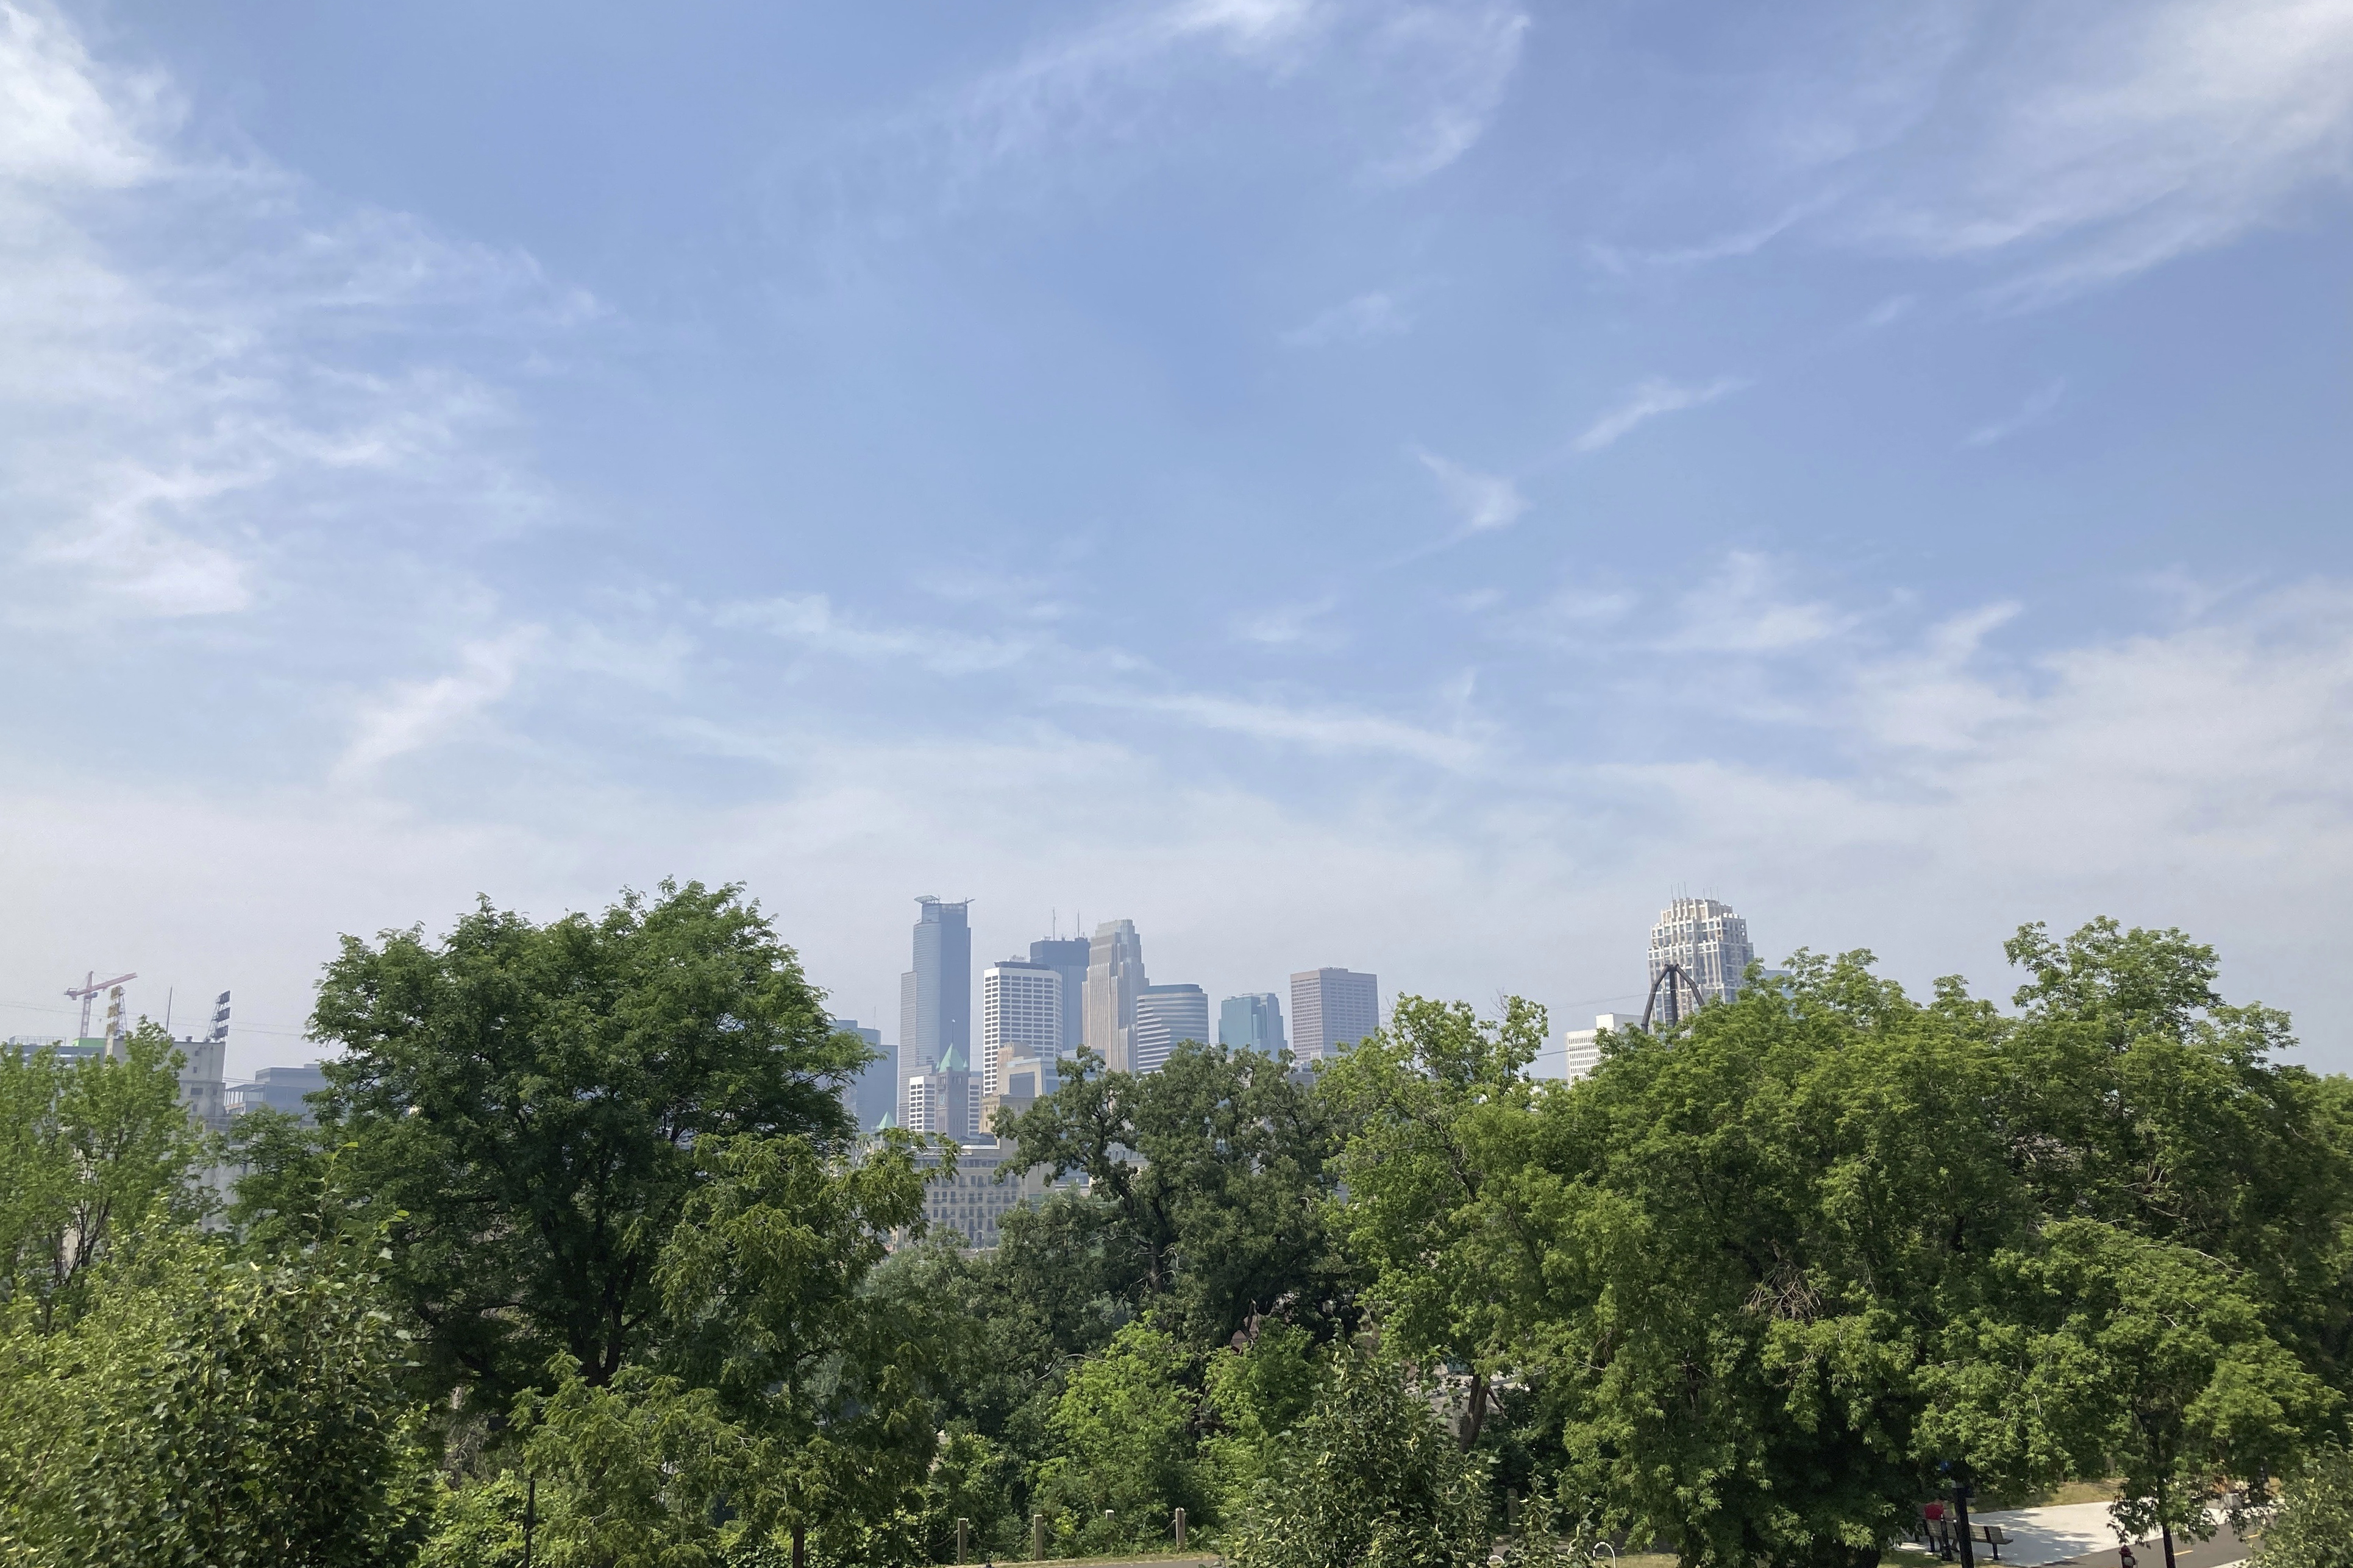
point(88, 1150)
point(2314, 1526)
point(1256, 1394)
point(527, 1102)
point(1765, 1269)
point(1223, 1214)
point(1369, 1479)
point(1441, 1111)
point(2167, 1112)
point(786, 1398)
point(2153, 1361)
point(212, 1410)
point(1126, 1458)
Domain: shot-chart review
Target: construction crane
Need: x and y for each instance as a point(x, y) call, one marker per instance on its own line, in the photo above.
point(91, 988)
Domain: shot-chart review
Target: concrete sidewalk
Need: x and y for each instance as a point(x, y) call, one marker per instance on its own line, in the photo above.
point(2079, 1533)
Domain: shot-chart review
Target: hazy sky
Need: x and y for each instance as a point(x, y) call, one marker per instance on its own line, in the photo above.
point(1408, 484)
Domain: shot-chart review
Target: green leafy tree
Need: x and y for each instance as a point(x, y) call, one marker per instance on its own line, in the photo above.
point(1369, 1479)
point(88, 1150)
point(1444, 1191)
point(2150, 1360)
point(788, 1398)
point(1760, 1270)
point(522, 1104)
point(1257, 1392)
point(1126, 1445)
point(2161, 1109)
point(2313, 1525)
point(204, 1412)
point(1223, 1214)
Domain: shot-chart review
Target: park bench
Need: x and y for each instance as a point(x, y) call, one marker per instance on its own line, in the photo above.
point(1939, 1537)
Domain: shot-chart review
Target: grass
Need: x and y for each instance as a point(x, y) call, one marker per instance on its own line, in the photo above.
point(1191, 1555)
point(2064, 1492)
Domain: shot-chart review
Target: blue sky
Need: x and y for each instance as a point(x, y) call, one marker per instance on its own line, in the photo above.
point(1403, 485)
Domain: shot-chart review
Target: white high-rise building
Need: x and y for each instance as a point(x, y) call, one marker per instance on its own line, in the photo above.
point(1708, 943)
point(1165, 1018)
point(944, 1104)
point(1331, 1008)
point(1581, 1049)
point(1020, 1016)
point(1114, 976)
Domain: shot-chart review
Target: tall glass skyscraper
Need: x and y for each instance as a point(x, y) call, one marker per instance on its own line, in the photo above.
point(1251, 1022)
point(1331, 1008)
point(872, 1097)
point(1115, 975)
point(1067, 956)
point(1708, 943)
point(935, 997)
point(1165, 1018)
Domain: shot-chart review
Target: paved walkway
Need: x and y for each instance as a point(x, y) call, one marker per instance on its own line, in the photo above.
point(2079, 1533)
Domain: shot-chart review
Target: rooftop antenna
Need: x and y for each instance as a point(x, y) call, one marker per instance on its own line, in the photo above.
point(90, 988)
point(220, 1020)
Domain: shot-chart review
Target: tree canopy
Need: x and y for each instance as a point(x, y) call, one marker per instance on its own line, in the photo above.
point(582, 1252)
point(521, 1104)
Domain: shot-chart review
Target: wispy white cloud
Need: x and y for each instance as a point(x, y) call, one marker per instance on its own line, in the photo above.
point(1307, 727)
point(1933, 695)
point(1745, 607)
point(2194, 775)
point(2039, 407)
point(1377, 314)
point(1480, 502)
point(1015, 595)
point(1727, 246)
point(1648, 401)
point(2055, 148)
point(1399, 89)
point(2091, 142)
point(811, 621)
point(411, 715)
point(1889, 311)
point(1290, 625)
point(1449, 66)
point(192, 366)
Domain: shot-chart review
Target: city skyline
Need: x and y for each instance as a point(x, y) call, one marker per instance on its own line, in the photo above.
point(950, 464)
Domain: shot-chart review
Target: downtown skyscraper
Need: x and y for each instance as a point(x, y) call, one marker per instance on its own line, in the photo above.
point(1331, 1008)
point(935, 1004)
point(1251, 1022)
point(1707, 942)
point(1067, 956)
point(1165, 1018)
point(1114, 976)
point(1020, 1016)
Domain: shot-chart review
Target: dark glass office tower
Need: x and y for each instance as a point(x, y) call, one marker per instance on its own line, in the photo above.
point(935, 997)
point(1067, 958)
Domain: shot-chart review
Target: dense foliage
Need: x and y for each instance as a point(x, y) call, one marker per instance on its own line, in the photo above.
point(581, 1250)
point(2314, 1526)
point(214, 1412)
point(519, 1105)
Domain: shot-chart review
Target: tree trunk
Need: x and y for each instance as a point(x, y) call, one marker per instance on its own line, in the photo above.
point(800, 1544)
point(2165, 1532)
point(1475, 1417)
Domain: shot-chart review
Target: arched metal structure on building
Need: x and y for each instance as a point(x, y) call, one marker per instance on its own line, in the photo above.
point(1678, 984)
